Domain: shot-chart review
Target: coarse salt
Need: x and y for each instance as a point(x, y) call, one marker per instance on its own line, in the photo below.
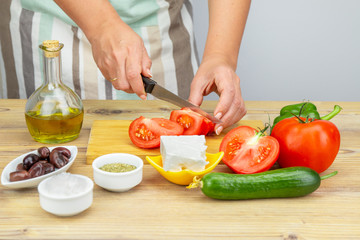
point(65, 185)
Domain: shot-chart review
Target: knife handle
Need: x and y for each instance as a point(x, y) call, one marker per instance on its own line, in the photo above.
point(148, 84)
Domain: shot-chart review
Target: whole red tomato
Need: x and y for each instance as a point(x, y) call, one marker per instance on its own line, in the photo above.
point(307, 143)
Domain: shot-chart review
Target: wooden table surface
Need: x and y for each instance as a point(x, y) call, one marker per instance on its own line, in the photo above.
point(158, 209)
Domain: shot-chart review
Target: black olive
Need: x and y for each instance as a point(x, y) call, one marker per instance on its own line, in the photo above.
point(44, 152)
point(29, 160)
point(19, 175)
point(58, 159)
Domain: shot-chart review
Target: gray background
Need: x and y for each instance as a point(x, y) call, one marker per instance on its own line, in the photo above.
point(296, 50)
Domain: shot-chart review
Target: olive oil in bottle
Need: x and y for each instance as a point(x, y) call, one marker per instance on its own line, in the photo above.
point(54, 128)
point(54, 113)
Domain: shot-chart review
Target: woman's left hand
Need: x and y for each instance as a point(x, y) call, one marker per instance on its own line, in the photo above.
point(216, 75)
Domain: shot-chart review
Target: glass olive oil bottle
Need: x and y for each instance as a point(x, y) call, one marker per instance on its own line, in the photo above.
point(54, 113)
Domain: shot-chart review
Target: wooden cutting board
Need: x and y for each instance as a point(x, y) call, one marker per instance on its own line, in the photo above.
point(111, 136)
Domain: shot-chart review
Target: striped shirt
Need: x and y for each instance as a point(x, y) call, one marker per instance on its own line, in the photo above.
point(164, 25)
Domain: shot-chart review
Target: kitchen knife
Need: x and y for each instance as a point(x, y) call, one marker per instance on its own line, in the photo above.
point(162, 93)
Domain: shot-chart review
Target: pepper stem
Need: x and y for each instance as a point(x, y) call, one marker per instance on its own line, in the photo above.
point(329, 175)
point(329, 116)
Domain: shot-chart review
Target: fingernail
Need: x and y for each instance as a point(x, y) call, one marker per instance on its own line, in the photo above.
point(219, 130)
point(143, 97)
point(218, 115)
point(148, 71)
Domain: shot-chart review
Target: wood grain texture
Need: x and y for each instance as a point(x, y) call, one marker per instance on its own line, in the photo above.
point(157, 209)
point(111, 136)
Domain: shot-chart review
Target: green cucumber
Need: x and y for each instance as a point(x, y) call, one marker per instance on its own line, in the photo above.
point(279, 183)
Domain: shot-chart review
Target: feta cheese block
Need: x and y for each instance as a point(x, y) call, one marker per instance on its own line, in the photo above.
point(183, 152)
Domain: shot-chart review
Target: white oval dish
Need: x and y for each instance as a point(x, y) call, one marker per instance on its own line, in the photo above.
point(118, 182)
point(33, 182)
point(62, 197)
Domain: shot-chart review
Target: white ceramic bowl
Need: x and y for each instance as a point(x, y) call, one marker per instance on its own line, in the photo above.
point(118, 182)
point(66, 198)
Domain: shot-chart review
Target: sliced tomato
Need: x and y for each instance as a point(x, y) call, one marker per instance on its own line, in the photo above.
point(247, 150)
point(193, 122)
point(146, 132)
point(210, 126)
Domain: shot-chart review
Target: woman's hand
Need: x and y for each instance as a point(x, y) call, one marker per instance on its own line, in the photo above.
point(118, 51)
point(121, 56)
point(216, 75)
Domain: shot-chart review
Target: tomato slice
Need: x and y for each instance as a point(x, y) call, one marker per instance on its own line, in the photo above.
point(193, 122)
point(210, 126)
point(145, 132)
point(247, 150)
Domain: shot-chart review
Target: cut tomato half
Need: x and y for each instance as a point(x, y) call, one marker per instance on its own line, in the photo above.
point(146, 132)
point(210, 126)
point(247, 150)
point(192, 122)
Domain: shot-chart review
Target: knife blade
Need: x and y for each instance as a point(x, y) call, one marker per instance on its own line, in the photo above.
point(159, 92)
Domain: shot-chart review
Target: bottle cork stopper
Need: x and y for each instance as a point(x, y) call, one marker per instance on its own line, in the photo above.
point(51, 48)
point(51, 43)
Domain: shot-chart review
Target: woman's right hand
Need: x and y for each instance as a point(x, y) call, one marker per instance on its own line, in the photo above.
point(121, 56)
point(118, 51)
